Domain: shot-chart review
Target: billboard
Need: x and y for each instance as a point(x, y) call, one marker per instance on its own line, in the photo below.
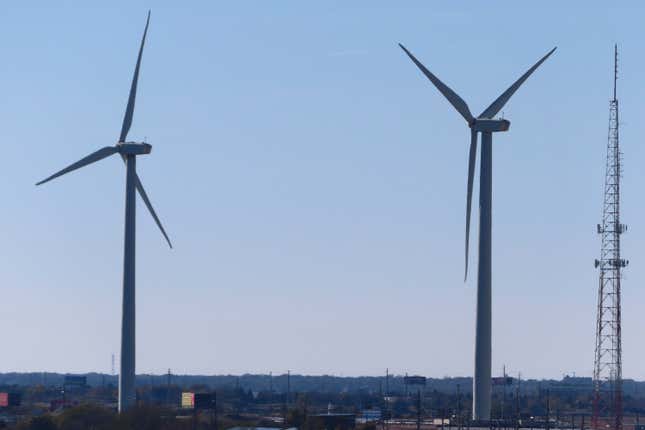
point(204, 401)
point(502, 380)
point(414, 380)
point(187, 400)
point(9, 399)
point(80, 381)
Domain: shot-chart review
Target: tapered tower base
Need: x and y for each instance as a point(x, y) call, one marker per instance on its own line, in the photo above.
point(483, 339)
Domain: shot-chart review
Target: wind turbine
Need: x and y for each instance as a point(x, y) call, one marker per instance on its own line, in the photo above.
point(129, 152)
point(485, 124)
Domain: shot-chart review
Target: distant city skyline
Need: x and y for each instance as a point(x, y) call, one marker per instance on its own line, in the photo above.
point(313, 185)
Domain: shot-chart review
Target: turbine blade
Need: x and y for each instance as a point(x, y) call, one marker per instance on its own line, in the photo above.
point(469, 194)
point(498, 104)
point(93, 157)
point(454, 99)
point(144, 196)
point(129, 111)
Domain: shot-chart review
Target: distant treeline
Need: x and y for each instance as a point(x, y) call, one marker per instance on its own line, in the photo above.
point(326, 383)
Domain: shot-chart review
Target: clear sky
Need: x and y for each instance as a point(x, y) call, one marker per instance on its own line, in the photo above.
point(313, 182)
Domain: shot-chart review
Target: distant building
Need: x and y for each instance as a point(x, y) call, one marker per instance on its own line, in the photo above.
point(261, 428)
point(368, 415)
point(331, 421)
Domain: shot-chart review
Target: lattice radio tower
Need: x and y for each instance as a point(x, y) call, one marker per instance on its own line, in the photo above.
point(607, 377)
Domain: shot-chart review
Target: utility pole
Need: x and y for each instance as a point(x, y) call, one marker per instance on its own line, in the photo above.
point(168, 381)
point(288, 387)
point(286, 398)
point(387, 381)
point(387, 399)
point(419, 409)
point(517, 405)
point(458, 407)
point(503, 393)
point(548, 409)
point(607, 376)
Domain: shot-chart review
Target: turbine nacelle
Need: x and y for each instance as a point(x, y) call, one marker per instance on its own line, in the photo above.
point(133, 148)
point(490, 125)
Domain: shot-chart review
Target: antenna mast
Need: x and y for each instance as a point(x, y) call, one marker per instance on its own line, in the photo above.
point(607, 377)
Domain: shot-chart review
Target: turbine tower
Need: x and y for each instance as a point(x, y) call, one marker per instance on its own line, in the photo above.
point(485, 124)
point(128, 152)
point(607, 376)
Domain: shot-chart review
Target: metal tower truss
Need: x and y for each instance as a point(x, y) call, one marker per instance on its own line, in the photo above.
point(607, 377)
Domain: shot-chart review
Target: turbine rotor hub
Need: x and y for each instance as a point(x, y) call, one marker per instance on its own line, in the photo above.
point(134, 148)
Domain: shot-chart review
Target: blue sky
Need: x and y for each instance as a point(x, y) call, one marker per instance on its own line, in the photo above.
point(313, 182)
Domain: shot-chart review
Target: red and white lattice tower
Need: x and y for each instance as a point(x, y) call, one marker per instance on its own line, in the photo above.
point(607, 376)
